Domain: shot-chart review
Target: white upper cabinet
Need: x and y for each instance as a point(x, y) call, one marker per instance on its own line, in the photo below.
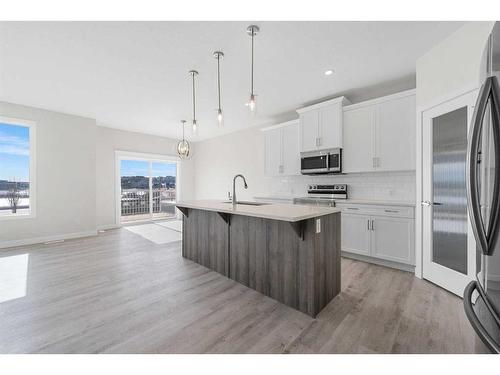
point(290, 146)
point(282, 156)
point(273, 149)
point(357, 154)
point(309, 122)
point(395, 142)
point(321, 125)
point(379, 135)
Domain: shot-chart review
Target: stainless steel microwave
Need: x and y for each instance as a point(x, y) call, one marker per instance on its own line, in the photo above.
point(321, 162)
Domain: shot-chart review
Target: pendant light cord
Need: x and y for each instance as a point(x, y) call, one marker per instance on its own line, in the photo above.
point(253, 33)
point(194, 101)
point(218, 78)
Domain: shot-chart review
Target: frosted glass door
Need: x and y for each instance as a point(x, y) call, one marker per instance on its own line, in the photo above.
point(449, 222)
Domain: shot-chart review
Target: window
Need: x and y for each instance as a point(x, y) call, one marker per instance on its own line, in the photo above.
point(17, 190)
point(147, 187)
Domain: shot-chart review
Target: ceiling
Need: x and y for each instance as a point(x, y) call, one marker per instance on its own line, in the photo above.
point(134, 75)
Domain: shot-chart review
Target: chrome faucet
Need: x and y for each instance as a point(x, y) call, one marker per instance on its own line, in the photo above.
point(234, 187)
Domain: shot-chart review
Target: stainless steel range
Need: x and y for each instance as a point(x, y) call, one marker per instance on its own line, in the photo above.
point(323, 195)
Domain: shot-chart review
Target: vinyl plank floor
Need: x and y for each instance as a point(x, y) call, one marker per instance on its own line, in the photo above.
point(121, 292)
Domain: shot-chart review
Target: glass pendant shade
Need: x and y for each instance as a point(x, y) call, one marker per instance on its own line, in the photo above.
point(183, 146)
point(252, 103)
point(220, 118)
point(183, 149)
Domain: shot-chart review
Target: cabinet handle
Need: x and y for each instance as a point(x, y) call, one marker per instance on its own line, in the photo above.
point(372, 224)
point(352, 208)
point(368, 224)
point(319, 141)
point(393, 211)
point(373, 162)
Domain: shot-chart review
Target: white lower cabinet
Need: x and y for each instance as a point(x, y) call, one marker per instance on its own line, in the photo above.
point(355, 234)
point(392, 239)
point(378, 232)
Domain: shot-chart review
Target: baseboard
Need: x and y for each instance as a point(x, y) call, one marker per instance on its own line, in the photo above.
point(38, 240)
point(380, 262)
point(108, 226)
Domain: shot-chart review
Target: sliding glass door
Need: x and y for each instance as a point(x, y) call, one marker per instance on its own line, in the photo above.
point(148, 188)
point(163, 183)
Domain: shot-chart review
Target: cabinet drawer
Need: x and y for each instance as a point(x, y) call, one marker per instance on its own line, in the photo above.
point(396, 211)
point(368, 209)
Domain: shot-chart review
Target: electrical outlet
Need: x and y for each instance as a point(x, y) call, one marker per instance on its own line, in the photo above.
point(318, 225)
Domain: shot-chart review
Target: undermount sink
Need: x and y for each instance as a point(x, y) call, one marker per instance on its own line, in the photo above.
point(246, 203)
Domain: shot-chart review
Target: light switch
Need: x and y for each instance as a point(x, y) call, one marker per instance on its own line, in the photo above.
point(318, 225)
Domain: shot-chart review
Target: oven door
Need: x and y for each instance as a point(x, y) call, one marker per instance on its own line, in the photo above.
point(335, 161)
point(313, 164)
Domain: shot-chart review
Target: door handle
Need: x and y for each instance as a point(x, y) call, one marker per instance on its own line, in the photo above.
point(474, 320)
point(486, 240)
point(426, 203)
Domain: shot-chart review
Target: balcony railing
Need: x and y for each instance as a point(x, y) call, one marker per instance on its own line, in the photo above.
point(137, 202)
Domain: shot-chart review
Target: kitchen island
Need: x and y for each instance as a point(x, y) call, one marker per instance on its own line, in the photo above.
point(288, 252)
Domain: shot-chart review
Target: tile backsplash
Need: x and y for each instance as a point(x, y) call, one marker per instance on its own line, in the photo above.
point(393, 186)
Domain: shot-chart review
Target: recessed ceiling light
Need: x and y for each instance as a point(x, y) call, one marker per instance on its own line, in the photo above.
point(328, 72)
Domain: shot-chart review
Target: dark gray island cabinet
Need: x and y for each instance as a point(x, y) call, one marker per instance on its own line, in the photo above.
point(287, 252)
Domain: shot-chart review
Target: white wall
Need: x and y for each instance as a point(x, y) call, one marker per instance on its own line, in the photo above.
point(110, 140)
point(75, 175)
point(218, 160)
point(453, 66)
point(65, 178)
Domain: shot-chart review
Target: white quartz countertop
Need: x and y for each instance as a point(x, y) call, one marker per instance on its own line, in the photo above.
point(274, 211)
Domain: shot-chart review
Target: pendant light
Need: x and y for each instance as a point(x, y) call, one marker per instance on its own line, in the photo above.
point(252, 30)
point(183, 147)
point(218, 55)
point(194, 124)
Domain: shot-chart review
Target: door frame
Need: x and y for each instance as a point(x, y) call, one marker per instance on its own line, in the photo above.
point(451, 280)
point(130, 155)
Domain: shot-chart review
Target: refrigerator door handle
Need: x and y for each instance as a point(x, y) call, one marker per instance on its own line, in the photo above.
point(474, 321)
point(490, 91)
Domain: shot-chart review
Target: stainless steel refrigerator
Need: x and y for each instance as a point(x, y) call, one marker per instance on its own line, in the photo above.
point(482, 297)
